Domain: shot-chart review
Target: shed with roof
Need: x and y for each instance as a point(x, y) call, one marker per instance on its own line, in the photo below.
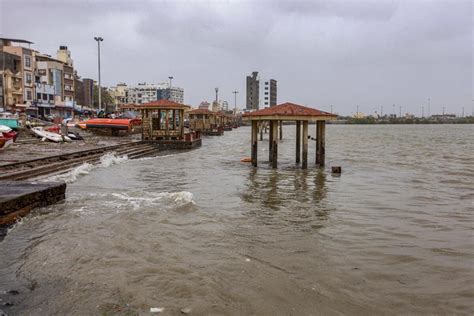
point(302, 115)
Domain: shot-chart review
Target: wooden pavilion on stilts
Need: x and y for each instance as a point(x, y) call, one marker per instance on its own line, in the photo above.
point(302, 115)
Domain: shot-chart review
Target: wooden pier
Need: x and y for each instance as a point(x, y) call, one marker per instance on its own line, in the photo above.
point(302, 115)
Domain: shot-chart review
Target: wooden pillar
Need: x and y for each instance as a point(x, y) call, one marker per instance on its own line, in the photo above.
point(298, 141)
point(281, 130)
point(320, 143)
point(181, 123)
point(270, 140)
point(275, 144)
point(254, 142)
point(304, 164)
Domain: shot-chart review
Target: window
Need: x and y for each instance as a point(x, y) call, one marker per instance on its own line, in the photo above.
point(29, 95)
point(27, 61)
point(28, 78)
point(38, 96)
point(45, 96)
point(266, 88)
point(51, 98)
point(266, 98)
point(266, 82)
point(266, 93)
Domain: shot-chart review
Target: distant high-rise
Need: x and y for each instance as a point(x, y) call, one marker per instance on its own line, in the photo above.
point(260, 95)
point(252, 100)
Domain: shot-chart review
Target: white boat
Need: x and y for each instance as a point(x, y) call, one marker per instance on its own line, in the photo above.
point(45, 135)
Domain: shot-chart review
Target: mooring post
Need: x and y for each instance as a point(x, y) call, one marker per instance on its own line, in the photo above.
point(254, 142)
point(304, 164)
point(275, 145)
point(298, 141)
point(281, 130)
point(270, 140)
point(320, 143)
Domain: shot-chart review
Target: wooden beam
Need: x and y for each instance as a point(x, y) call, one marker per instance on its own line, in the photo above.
point(270, 141)
point(298, 141)
point(275, 145)
point(254, 147)
point(320, 143)
point(281, 129)
point(304, 164)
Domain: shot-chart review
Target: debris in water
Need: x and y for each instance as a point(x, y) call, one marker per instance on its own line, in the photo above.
point(156, 309)
point(247, 259)
point(186, 310)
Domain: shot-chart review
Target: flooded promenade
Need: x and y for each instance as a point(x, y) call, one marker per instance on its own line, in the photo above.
point(204, 232)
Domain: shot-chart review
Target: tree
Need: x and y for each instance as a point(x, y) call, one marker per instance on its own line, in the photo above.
point(106, 98)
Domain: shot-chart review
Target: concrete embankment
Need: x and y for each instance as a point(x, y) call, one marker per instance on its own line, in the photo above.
point(18, 198)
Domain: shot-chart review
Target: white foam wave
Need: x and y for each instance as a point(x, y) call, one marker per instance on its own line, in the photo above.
point(107, 160)
point(140, 199)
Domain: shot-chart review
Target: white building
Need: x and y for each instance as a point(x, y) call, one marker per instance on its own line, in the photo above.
point(144, 93)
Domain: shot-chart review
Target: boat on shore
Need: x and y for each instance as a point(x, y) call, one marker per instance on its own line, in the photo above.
point(113, 124)
point(7, 136)
point(8, 119)
point(51, 136)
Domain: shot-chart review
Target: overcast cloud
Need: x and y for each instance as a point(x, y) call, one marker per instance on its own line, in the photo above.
point(340, 53)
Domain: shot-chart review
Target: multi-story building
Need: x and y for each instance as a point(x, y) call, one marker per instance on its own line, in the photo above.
point(26, 68)
point(11, 91)
point(119, 94)
point(269, 93)
point(166, 92)
point(260, 95)
point(64, 55)
point(143, 93)
point(84, 93)
point(253, 89)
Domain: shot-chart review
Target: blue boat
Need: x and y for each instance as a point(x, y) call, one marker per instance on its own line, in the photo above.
point(9, 120)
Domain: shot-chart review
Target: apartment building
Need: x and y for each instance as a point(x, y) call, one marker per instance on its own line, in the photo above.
point(144, 93)
point(261, 93)
point(24, 68)
point(11, 88)
point(84, 93)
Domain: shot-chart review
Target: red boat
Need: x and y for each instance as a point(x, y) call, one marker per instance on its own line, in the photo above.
point(114, 124)
point(7, 136)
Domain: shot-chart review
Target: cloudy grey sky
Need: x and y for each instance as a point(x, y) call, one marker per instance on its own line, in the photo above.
point(341, 53)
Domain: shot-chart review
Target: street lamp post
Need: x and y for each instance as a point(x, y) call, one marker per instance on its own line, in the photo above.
point(235, 100)
point(99, 39)
point(171, 81)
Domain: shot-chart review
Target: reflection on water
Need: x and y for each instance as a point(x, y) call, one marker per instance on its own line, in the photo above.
point(200, 230)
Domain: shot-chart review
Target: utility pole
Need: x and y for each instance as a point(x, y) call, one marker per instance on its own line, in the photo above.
point(171, 82)
point(443, 110)
point(99, 39)
point(429, 107)
point(217, 94)
point(357, 113)
point(400, 111)
point(235, 100)
point(462, 111)
point(381, 110)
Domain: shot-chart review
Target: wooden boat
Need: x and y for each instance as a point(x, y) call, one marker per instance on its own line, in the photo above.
point(45, 135)
point(114, 124)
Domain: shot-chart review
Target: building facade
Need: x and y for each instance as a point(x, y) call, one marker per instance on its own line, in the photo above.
point(144, 93)
point(261, 93)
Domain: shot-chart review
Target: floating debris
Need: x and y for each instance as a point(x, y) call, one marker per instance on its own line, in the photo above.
point(156, 309)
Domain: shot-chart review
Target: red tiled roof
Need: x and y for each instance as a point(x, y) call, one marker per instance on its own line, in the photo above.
point(163, 104)
point(202, 111)
point(289, 109)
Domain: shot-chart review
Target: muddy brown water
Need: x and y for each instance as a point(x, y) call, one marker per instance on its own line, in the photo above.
point(201, 230)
